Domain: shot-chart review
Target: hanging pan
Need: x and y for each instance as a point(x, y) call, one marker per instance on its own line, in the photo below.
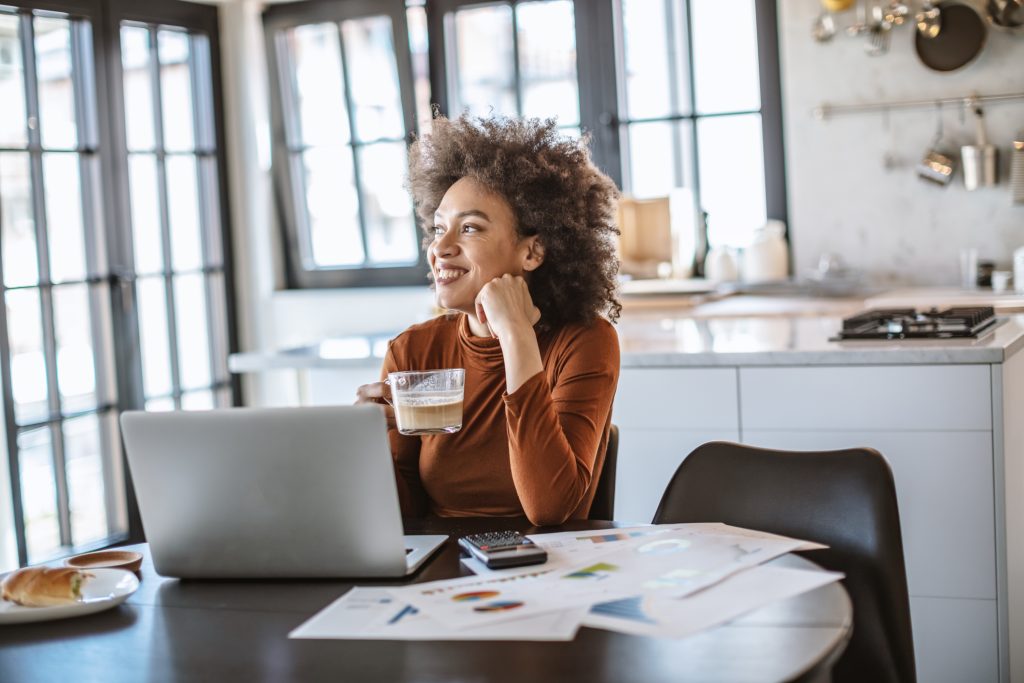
point(959, 41)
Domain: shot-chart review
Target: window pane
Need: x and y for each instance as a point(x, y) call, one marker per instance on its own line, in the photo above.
point(333, 207)
point(484, 71)
point(732, 177)
point(146, 240)
point(654, 57)
point(390, 225)
point(547, 60)
point(210, 225)
point(102, 328)
point(416, 17)
point(64, 217)
point(76, 373)
point(12, 84)
point(725, 55)
point(83, 453)
point(160, 405)
point(659, 154)
point(156, 352)
point(183, 206)
point(56, 94)
point(28, 368)
point(373, 78)
point(218, 335)
point(38, 493)
point(319, 86)
point(138, 87)
point(175, 90)
point(193, 333)
point(21, 266)
point(197, 400)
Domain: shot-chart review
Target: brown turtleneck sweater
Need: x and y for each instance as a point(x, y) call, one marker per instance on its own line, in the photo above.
point(538, 451)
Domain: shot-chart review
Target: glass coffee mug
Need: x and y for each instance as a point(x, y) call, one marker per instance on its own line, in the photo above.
point(429, 401)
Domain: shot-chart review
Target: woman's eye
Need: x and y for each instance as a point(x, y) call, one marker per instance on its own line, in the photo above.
point(469, 228)
point(437, 229)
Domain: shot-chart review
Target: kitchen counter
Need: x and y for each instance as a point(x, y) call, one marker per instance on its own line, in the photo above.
point(678, 338)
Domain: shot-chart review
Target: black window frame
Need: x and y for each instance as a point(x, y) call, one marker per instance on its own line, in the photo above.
point(598, 51)
point(104, 136)
point(277, 19)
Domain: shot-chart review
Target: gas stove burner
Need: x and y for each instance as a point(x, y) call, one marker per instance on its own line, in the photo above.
point(908, 323)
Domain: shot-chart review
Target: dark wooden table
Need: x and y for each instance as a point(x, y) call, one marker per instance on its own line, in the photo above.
point(172, 630)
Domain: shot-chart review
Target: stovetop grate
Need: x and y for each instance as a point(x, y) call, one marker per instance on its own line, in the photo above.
point(908, 323)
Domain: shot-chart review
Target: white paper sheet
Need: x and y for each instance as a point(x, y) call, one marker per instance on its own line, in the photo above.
point(735, 596)
point(672, 563)
point(373, 614)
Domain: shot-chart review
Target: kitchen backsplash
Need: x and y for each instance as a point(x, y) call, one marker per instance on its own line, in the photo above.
point(845, 198)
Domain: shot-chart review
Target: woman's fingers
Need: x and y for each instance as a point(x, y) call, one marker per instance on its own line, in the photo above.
point(373, 393)
point(379, 394)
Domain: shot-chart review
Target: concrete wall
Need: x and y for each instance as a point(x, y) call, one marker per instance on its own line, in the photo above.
point(843, 199)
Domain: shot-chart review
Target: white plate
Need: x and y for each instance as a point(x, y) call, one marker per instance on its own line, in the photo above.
point(105, 589)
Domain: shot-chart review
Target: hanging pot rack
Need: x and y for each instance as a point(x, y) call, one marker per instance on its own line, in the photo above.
point(826, 110)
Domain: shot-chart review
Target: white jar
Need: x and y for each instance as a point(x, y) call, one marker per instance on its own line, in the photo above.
point(767, 258)
point(1018, 270)
point(720, 265)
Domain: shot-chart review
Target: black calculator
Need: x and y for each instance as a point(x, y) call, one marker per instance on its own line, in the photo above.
point(500, 549)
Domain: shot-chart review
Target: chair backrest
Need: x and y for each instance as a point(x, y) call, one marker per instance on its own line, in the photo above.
point(845, 499)
point(603, 505)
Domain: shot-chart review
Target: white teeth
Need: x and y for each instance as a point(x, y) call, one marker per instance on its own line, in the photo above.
point(449, 275)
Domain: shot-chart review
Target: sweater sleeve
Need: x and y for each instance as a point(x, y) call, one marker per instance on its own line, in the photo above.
point(405, 452)
point(554, 430)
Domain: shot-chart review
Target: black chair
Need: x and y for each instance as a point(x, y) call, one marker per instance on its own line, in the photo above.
point(603, 506)
point(845, 499)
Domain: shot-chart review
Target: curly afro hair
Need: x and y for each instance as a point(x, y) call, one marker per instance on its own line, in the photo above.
point(555, 192)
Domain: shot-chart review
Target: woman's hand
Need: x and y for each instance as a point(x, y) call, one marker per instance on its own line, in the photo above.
point(504, 304)
point(380, 394)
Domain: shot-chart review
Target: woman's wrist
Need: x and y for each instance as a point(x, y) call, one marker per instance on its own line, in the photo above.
point(522, 356)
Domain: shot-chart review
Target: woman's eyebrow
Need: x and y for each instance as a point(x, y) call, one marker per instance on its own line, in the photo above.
point(463, 214)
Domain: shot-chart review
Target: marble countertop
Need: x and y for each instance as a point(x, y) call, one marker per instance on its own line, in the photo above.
point(652, 340)
point(659, 340)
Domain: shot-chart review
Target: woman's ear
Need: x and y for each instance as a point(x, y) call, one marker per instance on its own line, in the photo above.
point(534, 253)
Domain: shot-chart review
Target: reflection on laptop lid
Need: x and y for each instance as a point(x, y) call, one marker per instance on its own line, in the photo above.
point(270, 492)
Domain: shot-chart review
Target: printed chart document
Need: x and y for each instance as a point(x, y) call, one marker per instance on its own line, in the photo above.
point(735, 596)
point(674, 563)
point(668, 580)
point(373, 614)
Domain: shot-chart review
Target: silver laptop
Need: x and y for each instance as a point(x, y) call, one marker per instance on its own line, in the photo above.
point(270, 493)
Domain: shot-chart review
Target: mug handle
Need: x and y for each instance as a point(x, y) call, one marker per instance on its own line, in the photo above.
point(387, 381)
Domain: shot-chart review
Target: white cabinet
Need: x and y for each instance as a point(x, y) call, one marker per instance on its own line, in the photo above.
point(933, 423)
point(896, 397)
point(647, 460)
point(662, 415)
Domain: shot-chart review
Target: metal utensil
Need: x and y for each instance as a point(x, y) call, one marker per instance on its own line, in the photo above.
point(937, 166)
point(824, 27)
point(929, 20)
point(1005, 15)
point(1017, 170)
point(897, 12)
point(981, 160)
point(861, 24)
point(878, 39)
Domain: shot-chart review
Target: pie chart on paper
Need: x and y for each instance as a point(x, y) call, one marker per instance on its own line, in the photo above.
point(500, 606)
point(475, 596)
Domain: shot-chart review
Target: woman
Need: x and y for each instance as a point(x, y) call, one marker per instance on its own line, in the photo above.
point(520, 229)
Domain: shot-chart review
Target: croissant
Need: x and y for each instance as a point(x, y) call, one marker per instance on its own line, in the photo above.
point(44, 586)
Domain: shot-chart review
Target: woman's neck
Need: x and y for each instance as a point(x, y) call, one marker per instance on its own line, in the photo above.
point(477, 328)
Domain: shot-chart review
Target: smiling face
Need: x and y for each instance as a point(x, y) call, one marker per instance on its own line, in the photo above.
point(475, 241)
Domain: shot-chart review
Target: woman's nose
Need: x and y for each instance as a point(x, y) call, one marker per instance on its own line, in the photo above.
point(445, 244)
